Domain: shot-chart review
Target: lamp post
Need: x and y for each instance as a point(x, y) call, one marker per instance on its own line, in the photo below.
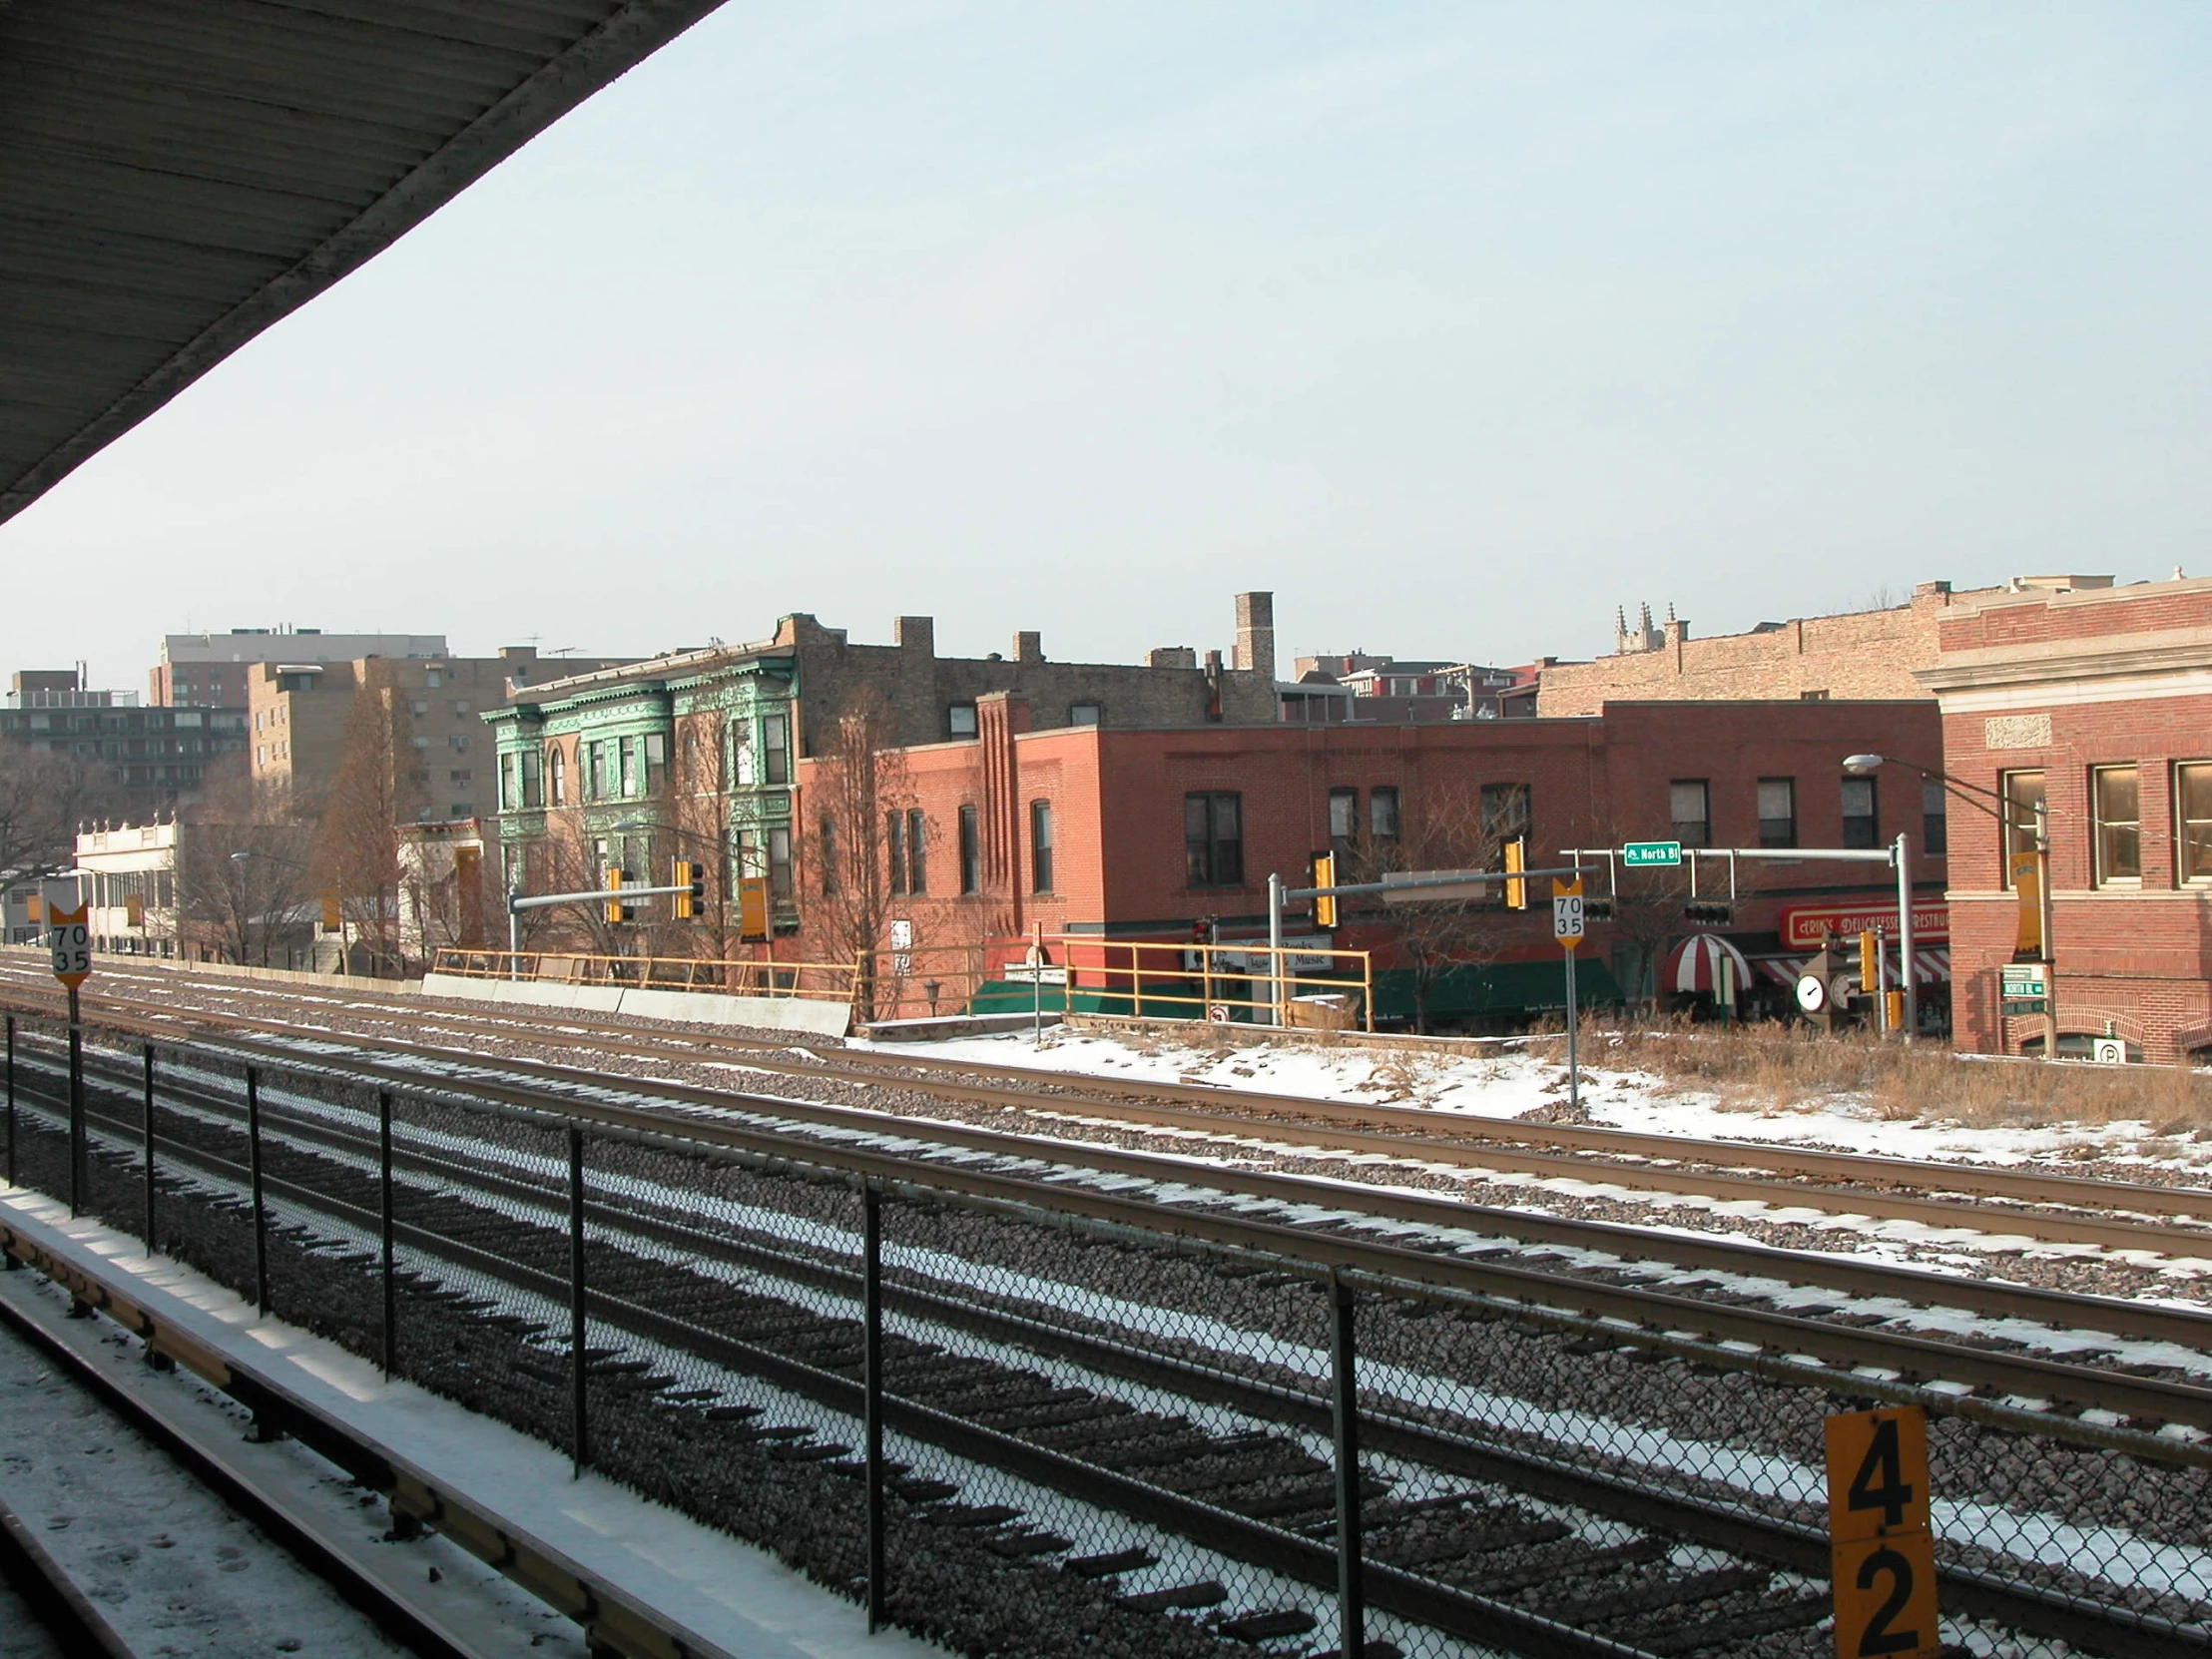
point(1860, 765)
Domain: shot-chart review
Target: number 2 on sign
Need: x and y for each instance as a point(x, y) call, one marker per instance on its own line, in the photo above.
point(1886, 1598)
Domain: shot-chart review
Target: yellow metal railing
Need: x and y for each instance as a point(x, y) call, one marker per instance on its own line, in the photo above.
point(820, 981)
point(1243, 980)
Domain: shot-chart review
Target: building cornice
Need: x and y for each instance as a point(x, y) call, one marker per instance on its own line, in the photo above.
point(2170, 651)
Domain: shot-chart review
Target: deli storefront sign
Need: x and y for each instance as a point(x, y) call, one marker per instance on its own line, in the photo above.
point(1807, 927)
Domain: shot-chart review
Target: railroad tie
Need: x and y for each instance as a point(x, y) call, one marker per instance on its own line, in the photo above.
point(1207, 1592)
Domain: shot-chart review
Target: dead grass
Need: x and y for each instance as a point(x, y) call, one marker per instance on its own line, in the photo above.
point(1772, 1067)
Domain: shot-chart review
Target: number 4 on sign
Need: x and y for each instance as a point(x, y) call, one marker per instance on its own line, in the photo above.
point(1883, 1555)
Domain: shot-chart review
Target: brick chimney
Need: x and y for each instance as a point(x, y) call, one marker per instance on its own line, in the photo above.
point(916, 634)
point(1256, 634)
point(1028, 647)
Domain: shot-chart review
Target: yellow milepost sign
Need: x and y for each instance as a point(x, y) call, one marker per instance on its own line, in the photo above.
point(1882, 1554)
point(70, 939)
point(1566, 913)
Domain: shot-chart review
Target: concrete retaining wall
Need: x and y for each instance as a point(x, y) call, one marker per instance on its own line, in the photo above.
point(819, 1018)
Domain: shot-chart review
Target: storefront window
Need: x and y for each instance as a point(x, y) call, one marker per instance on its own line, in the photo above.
point(2193, 808)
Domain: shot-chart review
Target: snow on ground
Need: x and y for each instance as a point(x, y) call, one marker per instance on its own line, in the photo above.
point(1504, 1079)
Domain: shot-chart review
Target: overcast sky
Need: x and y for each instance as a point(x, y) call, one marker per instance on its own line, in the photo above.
point(1456, 326)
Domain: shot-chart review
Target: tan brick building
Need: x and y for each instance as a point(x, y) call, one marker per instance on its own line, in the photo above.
point(1857, 655)
point(296, 713)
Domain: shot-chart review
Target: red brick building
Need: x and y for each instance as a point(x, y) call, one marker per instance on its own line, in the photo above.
point(1131, 833)
point(2098, 701)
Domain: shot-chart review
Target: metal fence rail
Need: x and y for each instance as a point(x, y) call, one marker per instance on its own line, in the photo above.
point(917, 1390)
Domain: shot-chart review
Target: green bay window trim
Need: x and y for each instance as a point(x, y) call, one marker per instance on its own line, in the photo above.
point(2115, 795)
point(2023, 797)
point(1212, 839)
point(1862, 818)
point(1040, 846)
point(1777, 812)
point(775, 748)
point(971, 853)
point(2193, 823)
point(779, 864)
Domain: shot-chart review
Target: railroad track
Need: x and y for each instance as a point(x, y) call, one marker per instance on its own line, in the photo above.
point(2175, 1221)
point(1479, 1544)
point(2101, 1396)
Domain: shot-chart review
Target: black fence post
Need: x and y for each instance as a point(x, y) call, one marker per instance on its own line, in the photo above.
point(384, 1215)
point(11, 1102)
point(149, 1137)
point(76, 1104)
point(871, 1393)
point(578, 1360)
point(1351, 1613)
point(254, 1170)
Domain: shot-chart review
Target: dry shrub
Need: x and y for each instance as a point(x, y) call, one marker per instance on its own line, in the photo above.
point(1770, 1066)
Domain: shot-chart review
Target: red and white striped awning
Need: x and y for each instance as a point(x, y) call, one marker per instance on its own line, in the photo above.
point(1930, 968)
point(1694, 964)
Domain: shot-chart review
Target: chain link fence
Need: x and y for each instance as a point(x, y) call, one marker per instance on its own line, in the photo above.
point(1021, 1430)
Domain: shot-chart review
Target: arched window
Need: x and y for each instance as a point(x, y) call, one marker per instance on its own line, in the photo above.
point(556, 776)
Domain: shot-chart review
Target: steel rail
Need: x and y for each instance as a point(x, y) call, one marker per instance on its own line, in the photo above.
point(1656, 1162)
point(1233, 1534)
point(2064, 1309)
point(1637, 1317)
point(2120, 1632)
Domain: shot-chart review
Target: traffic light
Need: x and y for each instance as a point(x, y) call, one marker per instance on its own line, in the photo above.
point(692, 879)
point(1708, 909)
point(1517, 860)
point(1869, 962)
point(616, 912)
point(1321, 868)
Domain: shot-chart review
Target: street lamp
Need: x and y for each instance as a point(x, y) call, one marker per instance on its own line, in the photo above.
point(1860, 765)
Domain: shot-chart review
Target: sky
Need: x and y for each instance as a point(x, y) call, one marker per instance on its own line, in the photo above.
point(1456, 325)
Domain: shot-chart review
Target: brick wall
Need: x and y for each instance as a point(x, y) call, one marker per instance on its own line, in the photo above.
point(1858, 654)
point(2064, 684)
point(1118, 795)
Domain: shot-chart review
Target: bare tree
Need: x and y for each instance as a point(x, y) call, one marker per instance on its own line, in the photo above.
point(244, 878)
point(44, 798)
point(1647, 913)
point(1448, 829)
point(379, 785)
point(860, 778)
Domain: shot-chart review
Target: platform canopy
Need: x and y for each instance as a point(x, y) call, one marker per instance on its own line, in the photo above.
point(177, 175)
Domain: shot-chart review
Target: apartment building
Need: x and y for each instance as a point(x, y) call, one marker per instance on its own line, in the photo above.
point(212, 670)
point(296, 714)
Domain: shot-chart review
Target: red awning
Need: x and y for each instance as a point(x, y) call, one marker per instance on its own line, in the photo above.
point(1694, 964)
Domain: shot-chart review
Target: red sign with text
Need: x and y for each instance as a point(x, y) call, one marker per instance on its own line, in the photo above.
point(1805, 926)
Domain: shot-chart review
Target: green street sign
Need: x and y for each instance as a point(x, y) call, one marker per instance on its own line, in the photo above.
point(1646, 855)
point(2022, 989)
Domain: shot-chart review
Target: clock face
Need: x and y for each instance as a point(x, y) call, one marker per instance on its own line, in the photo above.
point(1812, 995)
